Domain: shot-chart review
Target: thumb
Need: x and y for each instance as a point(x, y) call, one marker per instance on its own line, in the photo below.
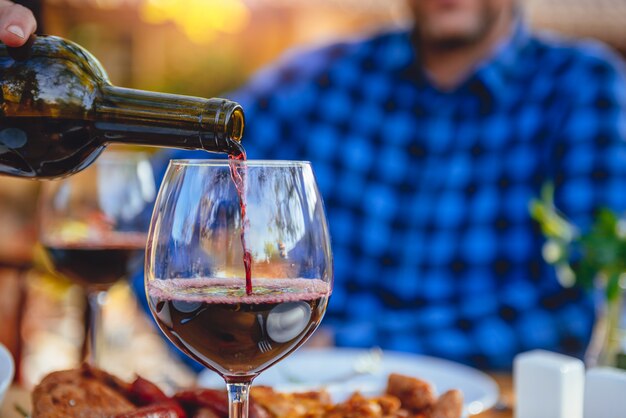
point(17, 23)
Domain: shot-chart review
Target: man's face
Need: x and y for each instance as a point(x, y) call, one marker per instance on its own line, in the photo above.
point(456, 22)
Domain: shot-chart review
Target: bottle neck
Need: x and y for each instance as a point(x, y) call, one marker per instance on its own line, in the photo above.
point(167, 120)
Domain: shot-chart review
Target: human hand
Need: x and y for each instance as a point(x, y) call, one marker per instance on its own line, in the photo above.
point(17, 23)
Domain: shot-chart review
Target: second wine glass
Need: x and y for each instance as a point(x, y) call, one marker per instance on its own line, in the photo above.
point(93, 227)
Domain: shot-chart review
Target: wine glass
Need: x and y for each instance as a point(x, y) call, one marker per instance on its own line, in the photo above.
point(216, 222)
point(93, 227)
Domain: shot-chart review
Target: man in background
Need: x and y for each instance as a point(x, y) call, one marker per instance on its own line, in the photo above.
point(428, 145)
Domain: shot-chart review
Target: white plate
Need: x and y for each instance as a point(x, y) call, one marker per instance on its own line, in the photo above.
point(6, 371)
point(316, 368)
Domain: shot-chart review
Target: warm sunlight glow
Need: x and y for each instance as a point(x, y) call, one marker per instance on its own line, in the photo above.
point(200, 20)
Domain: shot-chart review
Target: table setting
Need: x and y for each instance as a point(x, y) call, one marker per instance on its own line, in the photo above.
point(423, 219)
point(241, 284)
point(190, 295)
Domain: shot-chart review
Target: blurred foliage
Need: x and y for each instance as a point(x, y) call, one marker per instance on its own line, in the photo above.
point(209, 78)
point(201, 20)
point(582, 258)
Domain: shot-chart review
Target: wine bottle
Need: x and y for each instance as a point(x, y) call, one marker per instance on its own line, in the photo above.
point(58, 111)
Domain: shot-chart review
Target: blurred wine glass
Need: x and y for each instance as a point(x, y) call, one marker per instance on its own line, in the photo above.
point(93, 227)
point(196, 275)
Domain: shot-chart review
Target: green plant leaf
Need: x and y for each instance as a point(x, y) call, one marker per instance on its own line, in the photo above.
point(612, 286)
point(599, 253)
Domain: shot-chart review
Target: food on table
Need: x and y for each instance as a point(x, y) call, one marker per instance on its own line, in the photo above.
point(90, 392)
point(405, 397)
point(80, 392)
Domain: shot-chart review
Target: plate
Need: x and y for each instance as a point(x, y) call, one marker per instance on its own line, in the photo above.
point(6, 371)
point(334, 370)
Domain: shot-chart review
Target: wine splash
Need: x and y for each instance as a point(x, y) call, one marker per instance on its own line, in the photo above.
point(238, 175)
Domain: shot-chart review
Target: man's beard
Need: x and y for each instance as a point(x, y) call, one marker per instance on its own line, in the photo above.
point(486, 21)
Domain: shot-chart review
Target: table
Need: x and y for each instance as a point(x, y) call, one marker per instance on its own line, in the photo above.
point(15, 396)
point(507, 400)
point(20, 396)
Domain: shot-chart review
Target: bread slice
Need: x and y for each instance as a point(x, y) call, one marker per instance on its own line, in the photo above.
point(83, 392)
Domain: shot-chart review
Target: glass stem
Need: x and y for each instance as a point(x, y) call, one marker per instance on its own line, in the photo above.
point(238, 394)
point(95, 303)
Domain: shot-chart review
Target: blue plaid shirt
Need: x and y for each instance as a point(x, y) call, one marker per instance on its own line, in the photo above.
point(427, 191)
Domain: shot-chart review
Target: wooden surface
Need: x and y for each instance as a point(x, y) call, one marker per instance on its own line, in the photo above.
point(15, 396)
point(21, 397)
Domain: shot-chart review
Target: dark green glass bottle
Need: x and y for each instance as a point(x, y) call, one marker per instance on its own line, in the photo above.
point(58, 111)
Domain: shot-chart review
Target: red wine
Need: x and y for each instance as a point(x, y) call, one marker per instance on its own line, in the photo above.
point(238, 175)
point(96, 264)
point(46, 147)
point(217, 323)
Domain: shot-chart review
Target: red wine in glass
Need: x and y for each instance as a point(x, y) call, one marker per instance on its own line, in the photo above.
point(217, 323)
point(96, 264)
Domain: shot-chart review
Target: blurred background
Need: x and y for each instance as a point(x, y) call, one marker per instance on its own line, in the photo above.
point(201, 48)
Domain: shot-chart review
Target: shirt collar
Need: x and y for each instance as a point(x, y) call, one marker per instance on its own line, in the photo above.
point(494, 72)
point(491, 74)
